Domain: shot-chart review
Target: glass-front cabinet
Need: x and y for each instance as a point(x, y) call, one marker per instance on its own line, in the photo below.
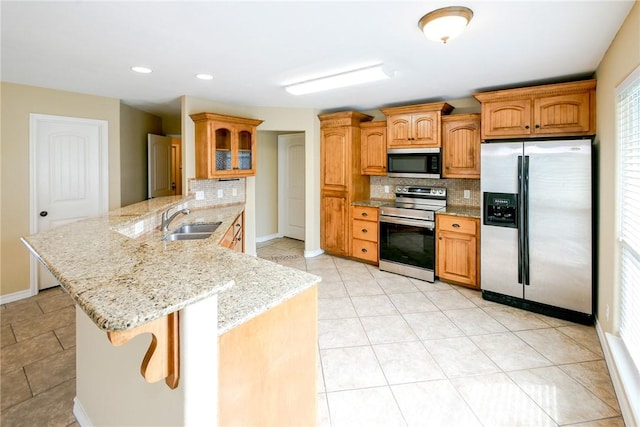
point(225, 145)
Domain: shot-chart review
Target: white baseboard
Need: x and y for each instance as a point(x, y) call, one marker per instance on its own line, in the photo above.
point(267, 238)
point(80, 414)
point(16, 296)
point(314, 253)
point(624, 376)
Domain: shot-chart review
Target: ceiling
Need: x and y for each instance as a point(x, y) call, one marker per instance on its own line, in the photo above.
point(254, 48)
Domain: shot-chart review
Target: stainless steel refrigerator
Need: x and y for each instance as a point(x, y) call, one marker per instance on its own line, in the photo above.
point(536, 233)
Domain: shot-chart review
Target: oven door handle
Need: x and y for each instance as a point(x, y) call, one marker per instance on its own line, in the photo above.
point(411, 222)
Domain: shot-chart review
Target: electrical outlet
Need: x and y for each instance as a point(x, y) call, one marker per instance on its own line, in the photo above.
point(138, 228)
point(199, 195)
point(220, 193)
point(234, 192)
point(467, 194)
point(386, 189)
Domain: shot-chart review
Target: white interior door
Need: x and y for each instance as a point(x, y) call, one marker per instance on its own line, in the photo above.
point(291, 176)
point(161, 182)
point(69, 175)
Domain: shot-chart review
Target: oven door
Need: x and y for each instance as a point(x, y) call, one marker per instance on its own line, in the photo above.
point(410, 243)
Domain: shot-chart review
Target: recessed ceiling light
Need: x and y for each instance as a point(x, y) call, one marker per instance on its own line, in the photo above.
point(350, 78)
point(143, 70)
point(202, 76)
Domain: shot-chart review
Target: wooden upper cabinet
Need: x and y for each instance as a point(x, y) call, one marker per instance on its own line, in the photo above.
point(225, 145)
point(416, 126)
point(374, 148)
point(461, 146)
point(335, 146)
point(564, 109)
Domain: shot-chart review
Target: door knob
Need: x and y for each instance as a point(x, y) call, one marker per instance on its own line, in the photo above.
point(44, 213)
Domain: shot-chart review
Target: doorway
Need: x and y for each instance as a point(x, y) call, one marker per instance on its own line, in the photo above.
point(291, 186)
point(69, 177)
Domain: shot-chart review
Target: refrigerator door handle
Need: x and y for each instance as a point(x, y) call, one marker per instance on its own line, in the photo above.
point(525, 222)
point(519, 222)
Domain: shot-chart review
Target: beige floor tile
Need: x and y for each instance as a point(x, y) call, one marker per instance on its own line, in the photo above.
point(364, 287)
point(319, 374)
point(407, 362)
point(413, 302)
point(324, 420)
point(14, 388)
point(474, 321)
point(371, 407)
point(424, 286)
point(335, 308)
point(515, 319)
point(497, 401)
point(460, 357)
point(55, 302)
point(331, 289)
point(449, 300)
point(556, 346)
point(585, 335)
point(373, 305)
point(354, 274)
point(24, 311)
point(378, 274)
point(509, 352)
point(66, 336)
point(51, 371)
point(350, 368)
point(341, 333)
point(328, 274)
point(387, 329)
point(595, 377)
point(54, 407)
point(6, 336)
point(560, 396)
point(22, 353)
point(397, 285)
point(47, 322)
point(432, 325)
point(433, 404)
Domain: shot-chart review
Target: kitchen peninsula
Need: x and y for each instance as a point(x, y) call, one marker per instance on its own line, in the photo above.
point(236, 314)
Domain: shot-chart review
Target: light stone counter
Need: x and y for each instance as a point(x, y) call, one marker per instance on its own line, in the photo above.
point(122, 277)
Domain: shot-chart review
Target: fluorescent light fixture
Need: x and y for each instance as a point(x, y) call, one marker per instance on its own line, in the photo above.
point(349, 78)
point(445, 24)
point(143, 70)
point(203, 76)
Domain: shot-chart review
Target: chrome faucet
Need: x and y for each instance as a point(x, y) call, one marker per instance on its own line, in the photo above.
point(166, 221)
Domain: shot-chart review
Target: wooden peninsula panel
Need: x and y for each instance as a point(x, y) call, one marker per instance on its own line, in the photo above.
point(268, 365)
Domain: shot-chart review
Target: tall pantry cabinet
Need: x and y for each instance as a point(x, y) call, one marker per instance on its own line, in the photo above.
point(340, 180)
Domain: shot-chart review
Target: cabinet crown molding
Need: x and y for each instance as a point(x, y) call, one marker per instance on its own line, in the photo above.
point(224, 118)
point(542, 90)
point(343, 118)
point(443, 107)
point(456, 117)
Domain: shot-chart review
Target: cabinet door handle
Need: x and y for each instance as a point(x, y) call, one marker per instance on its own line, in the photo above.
point(365, 214)
point(364, 230)
point(237, 225)
point(455, 225)
point(364, 250)
point(526, 127)
point(537, 126)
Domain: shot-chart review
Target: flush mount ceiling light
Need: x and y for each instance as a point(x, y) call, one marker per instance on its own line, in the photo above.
point(349, 78)
point(143, 70)
point(445, 24)
point(203, 76)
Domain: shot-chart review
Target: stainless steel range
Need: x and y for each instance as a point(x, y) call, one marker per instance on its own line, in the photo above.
point(407, 231)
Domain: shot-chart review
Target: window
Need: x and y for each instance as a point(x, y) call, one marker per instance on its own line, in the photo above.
point(628, 132)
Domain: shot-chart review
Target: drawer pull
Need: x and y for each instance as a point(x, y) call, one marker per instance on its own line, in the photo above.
point(364, 214)
point(364, 230)
point(364, 250)
point(455, 225)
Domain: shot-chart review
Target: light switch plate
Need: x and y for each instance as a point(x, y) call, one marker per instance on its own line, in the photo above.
point(220, 193)
point(467, 194)
point(234, 191)
point(386, 188)
point(199, 195)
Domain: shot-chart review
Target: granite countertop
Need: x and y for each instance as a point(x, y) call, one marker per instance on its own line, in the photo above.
point(123, 277)
point(467, 211)
point(372, 203)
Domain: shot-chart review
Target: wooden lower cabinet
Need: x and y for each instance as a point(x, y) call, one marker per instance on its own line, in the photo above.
point(267, 374)
point(364, 233)
point(458, 250)
point(334, 224)
point(234, 237)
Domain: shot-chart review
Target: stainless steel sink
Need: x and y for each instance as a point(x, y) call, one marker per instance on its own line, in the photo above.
point(203, 227)
point(192, 231)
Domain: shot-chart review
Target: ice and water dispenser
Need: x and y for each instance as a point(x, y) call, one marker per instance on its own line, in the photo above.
point(501, 209)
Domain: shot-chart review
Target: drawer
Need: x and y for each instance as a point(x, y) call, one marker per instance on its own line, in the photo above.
point(458, 224)
point(365, 230)
point(365, 213)
point(365, 250)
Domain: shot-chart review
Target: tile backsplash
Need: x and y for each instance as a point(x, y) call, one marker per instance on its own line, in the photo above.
point(231, 190)
point(455, 188)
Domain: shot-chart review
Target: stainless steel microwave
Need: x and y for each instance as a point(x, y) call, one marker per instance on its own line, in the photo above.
point(414, 163)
